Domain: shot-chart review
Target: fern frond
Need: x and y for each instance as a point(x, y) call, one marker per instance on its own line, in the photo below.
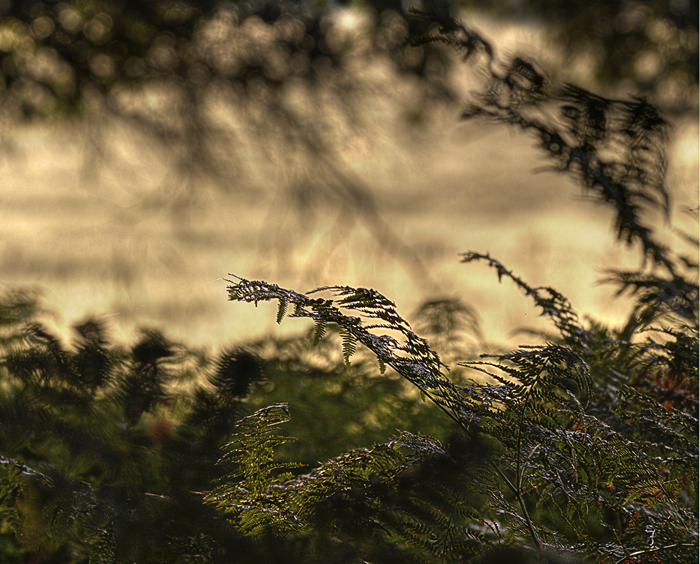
point(665, 295)
point(349, 345)
point(250, 493)
point(452, 33)
point(281, 310)
point(537, 374)
point(553, 304)
point(614, 148)
point(319, 331)
point(411, 358)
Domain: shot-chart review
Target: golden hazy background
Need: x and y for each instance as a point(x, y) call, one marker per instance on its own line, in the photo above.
point(103, 223)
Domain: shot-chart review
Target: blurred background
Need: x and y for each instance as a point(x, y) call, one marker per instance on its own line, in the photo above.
point(148, 149)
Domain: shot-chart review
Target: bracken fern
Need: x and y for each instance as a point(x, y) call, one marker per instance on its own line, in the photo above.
point(587, 444)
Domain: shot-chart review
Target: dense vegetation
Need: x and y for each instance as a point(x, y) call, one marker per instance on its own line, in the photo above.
point(583, 447)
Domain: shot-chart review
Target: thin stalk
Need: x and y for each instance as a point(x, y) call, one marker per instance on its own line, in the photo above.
point(518, 472)
point(496, 468)
point(650, 550)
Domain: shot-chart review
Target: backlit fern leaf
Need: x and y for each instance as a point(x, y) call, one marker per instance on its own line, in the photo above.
point(452, 33)
point(663, 295)
point(537, 375)
point(281, 310)
point(248, 493)
point(349, 345)
point(411, 358)
point(319, 331)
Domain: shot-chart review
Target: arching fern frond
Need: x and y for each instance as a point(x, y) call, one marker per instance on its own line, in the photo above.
point(661, 295)
point(412, 357)
point(615, 149)
point(553, 304)
point(537, 375)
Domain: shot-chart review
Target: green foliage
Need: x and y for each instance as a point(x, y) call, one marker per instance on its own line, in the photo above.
point(580, 472)
point(253, 460)
point(337, 407)
point(102, 447)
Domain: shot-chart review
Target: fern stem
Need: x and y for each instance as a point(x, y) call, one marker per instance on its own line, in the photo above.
point(496, 468)
point(650, 550)
point(518, 472)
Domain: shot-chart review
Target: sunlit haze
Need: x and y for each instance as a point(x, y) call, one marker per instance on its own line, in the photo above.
point(99, 234)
